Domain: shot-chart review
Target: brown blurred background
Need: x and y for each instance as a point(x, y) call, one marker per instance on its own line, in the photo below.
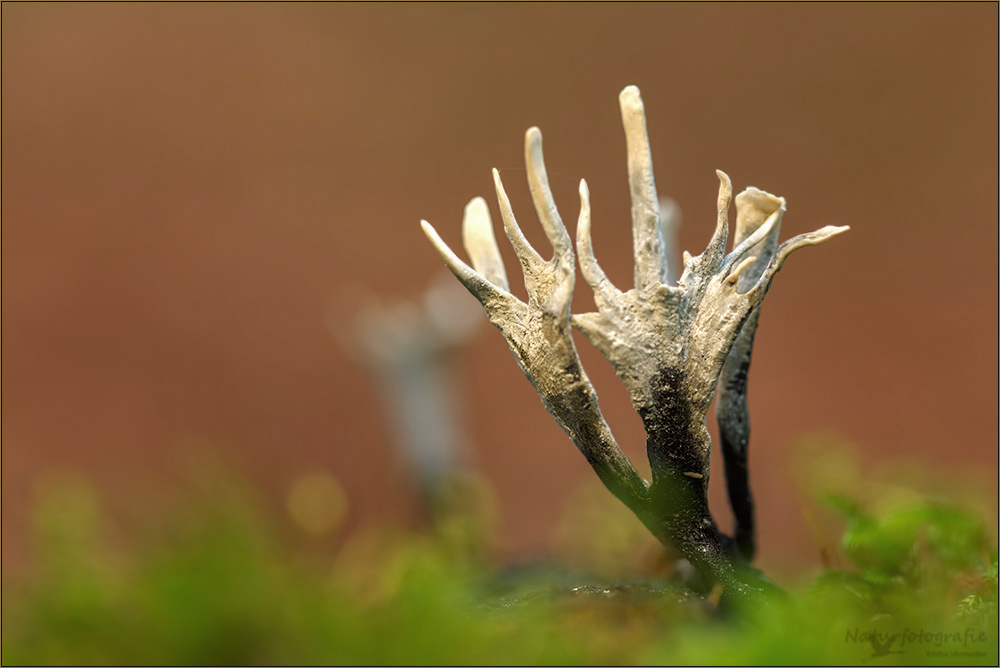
point(188, 190)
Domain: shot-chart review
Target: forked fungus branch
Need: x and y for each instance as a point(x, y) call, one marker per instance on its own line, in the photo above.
point(669, 344)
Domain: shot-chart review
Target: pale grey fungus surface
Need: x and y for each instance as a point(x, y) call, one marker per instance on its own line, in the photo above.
point(669, 343)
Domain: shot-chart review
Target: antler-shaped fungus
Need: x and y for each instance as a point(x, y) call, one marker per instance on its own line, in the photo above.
point(668, 344)
point(539, 332)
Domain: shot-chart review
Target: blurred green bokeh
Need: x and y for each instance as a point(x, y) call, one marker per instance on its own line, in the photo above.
point(221, 583)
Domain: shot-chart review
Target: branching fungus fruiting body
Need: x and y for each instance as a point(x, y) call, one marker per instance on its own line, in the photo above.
point(669, 344)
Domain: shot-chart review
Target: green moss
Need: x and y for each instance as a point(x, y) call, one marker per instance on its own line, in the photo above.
point(220, 583)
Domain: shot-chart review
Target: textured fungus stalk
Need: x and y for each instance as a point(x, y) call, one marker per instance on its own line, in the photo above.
point(667, 343)
point(538, 332)
point(753, 207)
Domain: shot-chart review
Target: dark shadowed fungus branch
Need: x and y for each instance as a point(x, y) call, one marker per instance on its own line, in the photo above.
point(669, 344)
point(753, 208)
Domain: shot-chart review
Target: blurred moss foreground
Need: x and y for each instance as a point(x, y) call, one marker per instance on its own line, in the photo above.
point(915, 582)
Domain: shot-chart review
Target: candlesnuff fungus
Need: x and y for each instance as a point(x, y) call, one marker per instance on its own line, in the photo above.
point(669, 344)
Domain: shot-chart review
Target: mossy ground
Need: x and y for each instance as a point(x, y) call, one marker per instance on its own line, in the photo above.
point(219, 583)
